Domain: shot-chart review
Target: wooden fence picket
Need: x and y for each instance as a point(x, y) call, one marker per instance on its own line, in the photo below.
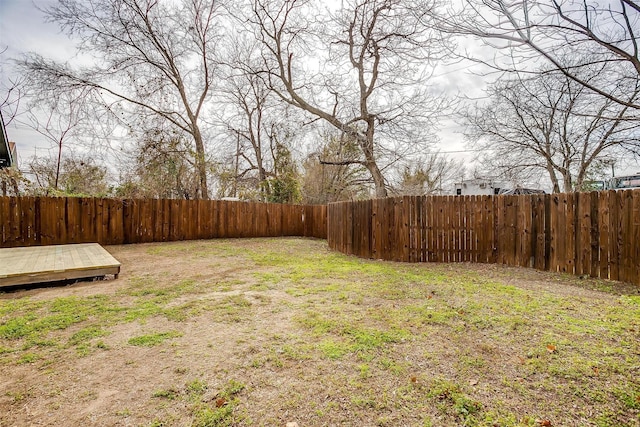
point(27, 221)
point(597, 233)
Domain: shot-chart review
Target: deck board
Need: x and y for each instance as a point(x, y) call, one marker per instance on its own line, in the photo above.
point(39, 264)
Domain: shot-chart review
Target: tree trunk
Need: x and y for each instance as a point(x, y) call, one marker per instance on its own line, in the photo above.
point(201, 164)
point(553, 178)
point(568, 182)
point(582, 174)
point(378, 179)
point(366, 144)
point(58, 164)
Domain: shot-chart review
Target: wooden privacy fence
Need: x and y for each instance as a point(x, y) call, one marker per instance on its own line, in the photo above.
point(595, 233)
point(27, 221)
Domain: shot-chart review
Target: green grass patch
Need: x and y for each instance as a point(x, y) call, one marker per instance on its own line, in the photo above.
point(34, 323)
point(452, 399)
point(333, 349)
point(196, 386)
point(344, 336)
point(87, 334)
point(169, 394)
point(231, 309)
point(152, 340)
point(630, 397)
point(222, 411)
point(215, 417)
point(232, 388)
point(29, 358)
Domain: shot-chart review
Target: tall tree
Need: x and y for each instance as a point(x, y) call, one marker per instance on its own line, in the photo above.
point(249, 128)
point(429, 175)
point(155, 56)
point(11, 90)
point(553, 124)
point(256, 120)
point(78, 176)
point(58, 117)
point(163, 167)
point(364, 70)
point(331, 175)
point(571, 35)
point(284, 185)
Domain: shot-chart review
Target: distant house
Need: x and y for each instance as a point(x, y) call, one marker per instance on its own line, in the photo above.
point(479, 186)
point(624, 182)
point(8, 155)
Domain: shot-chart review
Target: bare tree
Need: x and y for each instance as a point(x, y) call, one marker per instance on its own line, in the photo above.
point(11, 90)
point(249, 97)
point(332, 174)
point(13, 182)
point(58, 117)
point(163, 167)
point(429, 175)
point(78, 176)
point(551, 123)
point(572, 35)
point(364, 70)
point(153, 55)
point(256, 121)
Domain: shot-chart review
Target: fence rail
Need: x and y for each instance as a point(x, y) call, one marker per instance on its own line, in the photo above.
point(27, 221)
point(595, 234)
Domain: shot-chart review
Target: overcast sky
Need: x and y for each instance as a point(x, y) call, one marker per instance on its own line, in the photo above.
point(23, 29)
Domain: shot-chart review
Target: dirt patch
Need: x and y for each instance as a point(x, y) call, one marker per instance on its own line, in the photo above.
point(270, 331)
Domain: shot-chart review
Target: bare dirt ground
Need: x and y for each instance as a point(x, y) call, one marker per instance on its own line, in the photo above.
point(275, 331)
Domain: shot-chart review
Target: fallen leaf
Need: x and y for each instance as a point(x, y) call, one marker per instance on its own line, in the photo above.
point(551, 348)
point(596, 371)
point(220, 401)
point(545, 423)
point(429, 296)
point(522, 360)
point(414, 379)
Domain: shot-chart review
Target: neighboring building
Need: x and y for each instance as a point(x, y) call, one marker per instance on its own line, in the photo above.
point(8, 155)
point(479, 186)
point(624, 182)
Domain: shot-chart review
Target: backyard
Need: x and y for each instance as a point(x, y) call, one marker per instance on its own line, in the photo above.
point(270, 331)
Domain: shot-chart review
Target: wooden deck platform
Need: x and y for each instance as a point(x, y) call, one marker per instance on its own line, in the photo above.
point(41, 264)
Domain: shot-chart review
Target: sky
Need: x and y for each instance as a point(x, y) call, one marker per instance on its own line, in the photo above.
point(23, 29)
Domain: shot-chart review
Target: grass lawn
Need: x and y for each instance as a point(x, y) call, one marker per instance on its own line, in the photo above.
point(265, 332)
